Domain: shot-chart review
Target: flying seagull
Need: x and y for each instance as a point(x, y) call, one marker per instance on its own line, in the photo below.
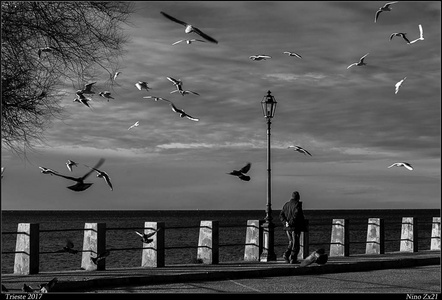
point(360, 63)
point(137, 123)
point(421, 37)
point(300, 149)
point(146, 237)
point(81, 185)
point(241, 172)
point(142, 85)
point(107, 95)
point(183, 92)
point(189, 41)
point(319, 256)
point(88, 88)
point(70, 164)
point(47, 171)
point(402, 34)
point(46, 287)
point(386, 7)
point(259, 57)
point(83, 100)
point(182, 113)
point(100, 256)
point(292, 54)
point(104, 175)
point(190, 28)
point(116, 75)
point(70, 247)
point(156, 98)
point(175, 82)
point(402, 164)
point(398, 85)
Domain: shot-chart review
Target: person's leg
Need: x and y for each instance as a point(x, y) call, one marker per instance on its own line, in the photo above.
point(296, 247)
point(286, 255)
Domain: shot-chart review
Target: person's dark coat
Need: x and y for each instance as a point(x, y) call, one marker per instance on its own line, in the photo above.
point(293, 214)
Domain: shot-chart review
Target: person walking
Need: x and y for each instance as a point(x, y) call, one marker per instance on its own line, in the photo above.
point(293, 220)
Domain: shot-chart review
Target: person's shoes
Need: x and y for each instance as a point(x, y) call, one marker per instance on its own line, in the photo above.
point(286, 258)
point(292, 261)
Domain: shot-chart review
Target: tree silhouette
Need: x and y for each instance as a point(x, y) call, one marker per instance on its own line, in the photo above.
point(46, 45)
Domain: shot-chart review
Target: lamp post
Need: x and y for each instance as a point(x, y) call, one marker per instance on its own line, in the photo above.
point(268, 104)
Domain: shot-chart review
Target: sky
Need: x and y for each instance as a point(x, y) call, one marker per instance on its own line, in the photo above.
point(350, 120)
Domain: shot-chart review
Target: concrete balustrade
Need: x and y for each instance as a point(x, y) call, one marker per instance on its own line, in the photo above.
point(27, 247)
point(304, 243)
point(94, 244)
point(154, 252)
point(435, 234)
point(409, 235)
point(208, 242)
point(340, 241)
point(375, 236)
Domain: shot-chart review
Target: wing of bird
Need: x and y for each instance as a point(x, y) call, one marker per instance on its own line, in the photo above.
point(99, 163)
point(174, 19)
point(353, 64)
point(246, 168)
point(408, 166)
point(178, 42)
point(174, 81)
point(377, 15)
point(405, 38)
point(202, 34)
point(175, 109)
point(244, 177)
point(421, 30)
point(139, 233)
point(393, 165)
point(148, 235)
point(107, 179)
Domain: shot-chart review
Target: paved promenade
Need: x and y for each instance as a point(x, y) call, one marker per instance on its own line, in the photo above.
point(80, 280)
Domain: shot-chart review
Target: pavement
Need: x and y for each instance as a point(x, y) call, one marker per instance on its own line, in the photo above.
point(81, 280)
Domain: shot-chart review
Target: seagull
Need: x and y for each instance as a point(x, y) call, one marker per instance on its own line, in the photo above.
point(70, 247)
point(189, 41)
point(402, 34)
point(190, 28)
point(241, 172)
point(88, 88)
point(183, 92)
point(146, 237)
point(106, 94)
point(177, 83)
point(260, 57)
point(46, 287)
point(81, 185)
point(398, 85)
point(83, 100)
point(155, 98)
point(137, 123)
point(360, 63)
point(292, 54)
point(116, 75)
point(182, 113)
point(100, 256)
point(300, 149)
point(386, 7)
point(47, 171)
point(319, 256)
point(104, 175)
point(46, 49)
point(402, 164)
point(421, 37)
point(142, 85)
point(70, 164)
point(26, 288)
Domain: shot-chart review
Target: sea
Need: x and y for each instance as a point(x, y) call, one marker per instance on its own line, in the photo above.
point(182, 231)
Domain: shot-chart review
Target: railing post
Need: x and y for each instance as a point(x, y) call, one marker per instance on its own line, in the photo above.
point(253, 248)
point(409, 238)
point(28, 249)
point(435, 234)
point(304, 241)
point(154, 253)
point(208, 242)
point(94, 243)
point(375, 236)
point(340, 242)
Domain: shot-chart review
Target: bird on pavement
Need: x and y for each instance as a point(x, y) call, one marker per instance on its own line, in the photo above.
point(292, 54)
point(259, 57)
point(402, 164)
point(319, 256)
point(190, 28)
point(241, 172)
point(80, 184)
point(46, 287)
point(300, 149)
point(182, 113)
point(104, 175)
point(398, 85)
point(145, 237)
point(401, 34)
point(386, 7)
point(360, 63)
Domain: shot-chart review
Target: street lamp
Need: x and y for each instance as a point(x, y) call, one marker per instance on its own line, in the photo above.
point(268, 104)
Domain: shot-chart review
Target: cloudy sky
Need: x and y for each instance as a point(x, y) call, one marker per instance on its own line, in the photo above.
point(350, 120)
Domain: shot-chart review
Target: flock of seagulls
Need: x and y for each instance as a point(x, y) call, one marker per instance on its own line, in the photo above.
point(80, 185)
